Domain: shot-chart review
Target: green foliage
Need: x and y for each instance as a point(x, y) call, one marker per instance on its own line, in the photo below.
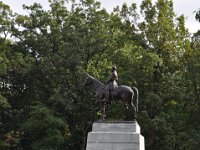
point(43, 129)
point(42, 67)
point(4, 103)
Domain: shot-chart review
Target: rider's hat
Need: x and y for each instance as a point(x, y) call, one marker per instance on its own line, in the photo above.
point(114, 68)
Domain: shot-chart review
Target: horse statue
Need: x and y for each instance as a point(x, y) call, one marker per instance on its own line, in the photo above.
point(123, 92)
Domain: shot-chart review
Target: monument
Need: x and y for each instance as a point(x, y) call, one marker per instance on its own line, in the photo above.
point(114, 135)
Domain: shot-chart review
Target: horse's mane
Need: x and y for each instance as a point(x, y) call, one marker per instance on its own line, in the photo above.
point(98, 81)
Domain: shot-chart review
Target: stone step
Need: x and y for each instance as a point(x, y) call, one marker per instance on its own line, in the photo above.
point(114, 137)
point(117, 146)
point(124, 126)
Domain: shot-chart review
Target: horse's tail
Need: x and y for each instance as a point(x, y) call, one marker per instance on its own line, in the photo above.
point(136, 93)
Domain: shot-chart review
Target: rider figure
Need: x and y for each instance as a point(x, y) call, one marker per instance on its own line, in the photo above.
point(112, 82)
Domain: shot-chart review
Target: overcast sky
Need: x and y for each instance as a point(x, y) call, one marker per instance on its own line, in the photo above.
point(186, 7)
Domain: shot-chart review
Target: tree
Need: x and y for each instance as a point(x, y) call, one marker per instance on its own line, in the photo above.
point(43, 130)
point(45, 55)
point(168, 41)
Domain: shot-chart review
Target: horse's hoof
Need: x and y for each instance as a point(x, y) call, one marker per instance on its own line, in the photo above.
point(102, 119)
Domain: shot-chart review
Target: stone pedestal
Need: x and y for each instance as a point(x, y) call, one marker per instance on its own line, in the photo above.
point(115, 136)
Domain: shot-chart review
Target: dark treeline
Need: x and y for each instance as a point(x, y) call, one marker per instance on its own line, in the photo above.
point(45, 55)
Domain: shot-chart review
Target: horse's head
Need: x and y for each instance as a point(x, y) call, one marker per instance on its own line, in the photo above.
point(88, 80)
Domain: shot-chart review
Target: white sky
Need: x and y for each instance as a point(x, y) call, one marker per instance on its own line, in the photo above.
point(186, 7)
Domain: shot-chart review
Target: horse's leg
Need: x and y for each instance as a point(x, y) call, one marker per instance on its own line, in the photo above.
point(103, 110)
point(107, 97)
point(126, 104)
point(134, 108)
point(126, 100)
point(124, 97)
point(135, 112)
point(130, 102)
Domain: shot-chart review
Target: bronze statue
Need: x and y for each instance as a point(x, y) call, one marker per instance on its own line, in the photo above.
point(112, 83)
point(123, 92)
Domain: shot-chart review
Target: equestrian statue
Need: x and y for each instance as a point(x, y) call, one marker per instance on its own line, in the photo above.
point(105, 94)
